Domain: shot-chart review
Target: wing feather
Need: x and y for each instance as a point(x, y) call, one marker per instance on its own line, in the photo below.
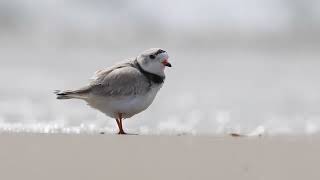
point(119, 81)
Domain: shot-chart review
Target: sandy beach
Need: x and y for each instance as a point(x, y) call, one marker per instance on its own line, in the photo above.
point(245, 67)
point(84, 157)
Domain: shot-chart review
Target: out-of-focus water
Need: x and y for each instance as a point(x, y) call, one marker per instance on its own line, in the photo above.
point(205, 92)
point(245, 77)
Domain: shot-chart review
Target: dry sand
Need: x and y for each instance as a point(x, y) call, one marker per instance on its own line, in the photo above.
point(95, 157)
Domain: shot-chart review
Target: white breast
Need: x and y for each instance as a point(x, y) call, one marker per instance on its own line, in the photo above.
point(127, 105)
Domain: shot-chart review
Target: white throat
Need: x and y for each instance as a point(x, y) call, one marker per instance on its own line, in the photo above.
point(154, 68)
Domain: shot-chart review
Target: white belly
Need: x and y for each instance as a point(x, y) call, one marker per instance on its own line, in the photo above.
point(127, 105)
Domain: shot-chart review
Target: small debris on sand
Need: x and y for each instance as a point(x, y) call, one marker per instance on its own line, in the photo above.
point(236, 135)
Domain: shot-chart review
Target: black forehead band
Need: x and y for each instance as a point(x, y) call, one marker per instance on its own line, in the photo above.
point(159, 52)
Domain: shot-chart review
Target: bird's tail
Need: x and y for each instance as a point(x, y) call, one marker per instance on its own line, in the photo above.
point(71, 94)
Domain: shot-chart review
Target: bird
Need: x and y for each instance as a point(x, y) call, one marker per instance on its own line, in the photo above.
point(126, 88)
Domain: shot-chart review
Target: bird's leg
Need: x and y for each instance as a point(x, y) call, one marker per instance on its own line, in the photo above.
point(119, 122)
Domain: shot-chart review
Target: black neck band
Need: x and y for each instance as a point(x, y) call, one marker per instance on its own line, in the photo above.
point(150, 76)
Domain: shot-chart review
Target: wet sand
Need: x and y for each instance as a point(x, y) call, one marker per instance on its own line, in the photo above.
point(95, 157)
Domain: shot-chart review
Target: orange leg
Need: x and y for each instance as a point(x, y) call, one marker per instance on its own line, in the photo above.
point(119, 122)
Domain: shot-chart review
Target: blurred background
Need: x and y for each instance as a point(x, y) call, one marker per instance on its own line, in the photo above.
point(245, 67)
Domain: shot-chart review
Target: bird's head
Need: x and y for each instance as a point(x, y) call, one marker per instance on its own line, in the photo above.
point(154, 61)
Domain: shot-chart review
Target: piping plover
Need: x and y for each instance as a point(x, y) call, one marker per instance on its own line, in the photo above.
point(125, 89)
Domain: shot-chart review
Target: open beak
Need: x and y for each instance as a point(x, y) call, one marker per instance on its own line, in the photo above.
point(166, 63)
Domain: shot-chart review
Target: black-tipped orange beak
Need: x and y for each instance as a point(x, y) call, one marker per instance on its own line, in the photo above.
point(166, 63)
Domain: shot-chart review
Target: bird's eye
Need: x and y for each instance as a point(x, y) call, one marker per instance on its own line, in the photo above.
point(152, 56)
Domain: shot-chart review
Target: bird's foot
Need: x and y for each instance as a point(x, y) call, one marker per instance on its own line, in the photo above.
point(122, 133)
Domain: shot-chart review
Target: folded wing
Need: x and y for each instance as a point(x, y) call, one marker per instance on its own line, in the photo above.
point(119, 81)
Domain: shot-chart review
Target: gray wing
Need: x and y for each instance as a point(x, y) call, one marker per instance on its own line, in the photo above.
point(122, 80)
